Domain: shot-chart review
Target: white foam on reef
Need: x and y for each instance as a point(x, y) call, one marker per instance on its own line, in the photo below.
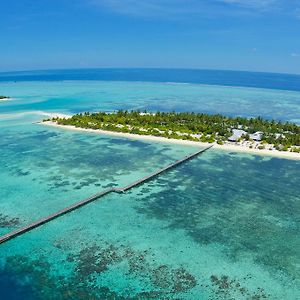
point(178, 83)
point(36, 112)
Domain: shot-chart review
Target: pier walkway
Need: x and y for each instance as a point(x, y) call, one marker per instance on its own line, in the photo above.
point(77, 205)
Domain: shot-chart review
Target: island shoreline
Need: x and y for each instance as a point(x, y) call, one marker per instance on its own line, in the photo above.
point(225, 147)
point(5, 99)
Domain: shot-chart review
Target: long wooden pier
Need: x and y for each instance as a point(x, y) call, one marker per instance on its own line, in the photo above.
point(77, 205)
point(171, 166)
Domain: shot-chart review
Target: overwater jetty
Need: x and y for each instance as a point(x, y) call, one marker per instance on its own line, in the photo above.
point(79, 204)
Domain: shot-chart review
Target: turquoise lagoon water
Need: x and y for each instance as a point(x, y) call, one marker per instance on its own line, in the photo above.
point(78, 96)
point(222, 226)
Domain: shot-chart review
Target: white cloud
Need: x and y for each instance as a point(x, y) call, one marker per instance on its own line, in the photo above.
point(167, 8)
point(256, 4)
point(151, 7)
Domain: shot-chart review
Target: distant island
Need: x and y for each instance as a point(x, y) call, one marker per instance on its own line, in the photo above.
point(4, 98)
point(252, 133)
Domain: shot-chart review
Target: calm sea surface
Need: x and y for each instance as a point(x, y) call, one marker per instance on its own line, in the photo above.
point(222, 226)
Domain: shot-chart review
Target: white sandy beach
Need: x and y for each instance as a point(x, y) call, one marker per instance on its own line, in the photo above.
point(226, 147)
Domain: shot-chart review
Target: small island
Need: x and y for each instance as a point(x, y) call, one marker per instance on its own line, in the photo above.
point(248, 133)
point(4, 98)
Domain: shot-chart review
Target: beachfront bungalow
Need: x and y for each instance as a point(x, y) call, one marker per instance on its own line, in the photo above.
point(236, 135)
point(257, 136)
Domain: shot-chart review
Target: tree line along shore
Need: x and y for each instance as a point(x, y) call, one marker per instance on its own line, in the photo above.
point(255, 132)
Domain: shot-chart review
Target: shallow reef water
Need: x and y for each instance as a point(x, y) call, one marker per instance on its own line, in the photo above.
point(221, 226)
point(177, 237)
point(49, 168)
point(90, 95)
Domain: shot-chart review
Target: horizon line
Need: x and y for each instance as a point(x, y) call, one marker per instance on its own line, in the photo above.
point(147, 68)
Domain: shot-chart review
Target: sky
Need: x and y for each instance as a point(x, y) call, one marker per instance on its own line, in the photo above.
point(254, 35)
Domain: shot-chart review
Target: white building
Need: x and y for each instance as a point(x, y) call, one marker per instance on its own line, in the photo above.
point(257, 136)
point(236, 135)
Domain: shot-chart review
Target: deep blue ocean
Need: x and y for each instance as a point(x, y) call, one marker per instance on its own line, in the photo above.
point(215, 77)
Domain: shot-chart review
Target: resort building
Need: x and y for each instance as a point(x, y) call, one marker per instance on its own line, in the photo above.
point(236, 135)
point(257, 136)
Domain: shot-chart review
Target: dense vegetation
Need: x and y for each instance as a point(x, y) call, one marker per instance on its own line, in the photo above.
point(189, 126)
point(3, 97)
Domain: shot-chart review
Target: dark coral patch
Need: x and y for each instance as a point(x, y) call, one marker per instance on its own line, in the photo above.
point(155, 281)
point(6, 221)
point(226, 288)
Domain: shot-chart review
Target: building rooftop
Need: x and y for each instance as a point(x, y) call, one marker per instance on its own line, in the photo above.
point(236, 135)
point(257, 136)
